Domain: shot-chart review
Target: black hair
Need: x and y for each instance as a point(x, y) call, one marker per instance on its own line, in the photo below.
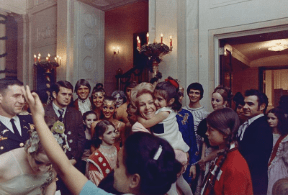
point(107, 182)
point(261, 97)
point(131, 84)
point(82, 82)
point(56, 86)
point(283, 103)
point(196, 86)
point(87, 113)
point(100, 129)
point(99, 85)
point(227, 122)
point(168, 91)
point(238, 99)
point(282, 121)
point(156, 175)
point(6, 82)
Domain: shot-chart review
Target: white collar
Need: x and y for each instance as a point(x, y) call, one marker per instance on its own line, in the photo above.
point(251, 120)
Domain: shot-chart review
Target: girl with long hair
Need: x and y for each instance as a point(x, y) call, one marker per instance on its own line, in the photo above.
point(277, 165)
point(103, 159)
point(229, 173)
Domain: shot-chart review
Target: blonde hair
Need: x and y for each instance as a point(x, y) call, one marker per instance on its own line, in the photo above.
point(140, 89)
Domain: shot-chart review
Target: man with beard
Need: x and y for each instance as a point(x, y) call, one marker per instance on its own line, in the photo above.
point(66, 121)
point(82, 89)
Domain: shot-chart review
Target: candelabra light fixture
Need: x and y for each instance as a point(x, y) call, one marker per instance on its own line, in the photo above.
point(116, 50)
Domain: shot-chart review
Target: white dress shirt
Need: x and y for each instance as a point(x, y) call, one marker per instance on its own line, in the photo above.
point(6, 121)
point(244, 126)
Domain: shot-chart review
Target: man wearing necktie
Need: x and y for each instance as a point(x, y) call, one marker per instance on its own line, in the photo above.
point(60, 117)
point(83, 102)
point(13, 127)
point(255, 139)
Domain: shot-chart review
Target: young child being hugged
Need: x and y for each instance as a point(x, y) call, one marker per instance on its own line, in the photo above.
point(165, 126)
point(103, 159)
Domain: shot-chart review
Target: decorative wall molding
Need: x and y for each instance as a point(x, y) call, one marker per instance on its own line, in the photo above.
point(46, 32)
point(221, 3)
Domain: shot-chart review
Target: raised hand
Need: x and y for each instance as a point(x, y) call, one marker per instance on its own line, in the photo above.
point(34, 102)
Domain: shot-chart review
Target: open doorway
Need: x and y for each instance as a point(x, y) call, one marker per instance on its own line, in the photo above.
point(256, 61)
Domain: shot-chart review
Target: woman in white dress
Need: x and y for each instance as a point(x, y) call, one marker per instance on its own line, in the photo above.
point(27, 170)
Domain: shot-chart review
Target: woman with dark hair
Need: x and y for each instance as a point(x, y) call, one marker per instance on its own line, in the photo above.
point(97, 97)
point(145, 165)
point(229, 172)
point(108, 112)
point(103, 159)
point(277, 166)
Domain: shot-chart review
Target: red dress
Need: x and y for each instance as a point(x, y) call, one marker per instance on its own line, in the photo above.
point(233, 178)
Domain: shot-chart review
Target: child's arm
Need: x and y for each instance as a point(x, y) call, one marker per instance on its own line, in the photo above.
point(73, 179)
point(153, 121)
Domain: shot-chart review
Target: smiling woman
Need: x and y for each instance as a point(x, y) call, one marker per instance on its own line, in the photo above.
point(142, 98)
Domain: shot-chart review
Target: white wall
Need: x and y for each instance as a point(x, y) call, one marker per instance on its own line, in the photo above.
point(226, 16)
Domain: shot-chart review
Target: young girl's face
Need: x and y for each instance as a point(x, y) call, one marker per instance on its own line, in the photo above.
point(160, 102)
point(215, 137)
point(109, 136)
point(272, 120)
point(90, 118)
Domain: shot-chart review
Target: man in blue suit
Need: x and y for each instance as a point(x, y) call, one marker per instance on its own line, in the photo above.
point(13, 127)
point(255, 139)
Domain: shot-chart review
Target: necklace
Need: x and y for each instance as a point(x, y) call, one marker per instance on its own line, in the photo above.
point(108, 155)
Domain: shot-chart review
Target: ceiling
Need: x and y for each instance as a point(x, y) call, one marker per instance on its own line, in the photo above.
point(253, 50)
point(106, 5)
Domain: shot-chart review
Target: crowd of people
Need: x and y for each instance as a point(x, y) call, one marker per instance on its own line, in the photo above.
point(140, 141)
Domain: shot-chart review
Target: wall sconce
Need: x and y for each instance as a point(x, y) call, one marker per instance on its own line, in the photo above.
point(116, 50)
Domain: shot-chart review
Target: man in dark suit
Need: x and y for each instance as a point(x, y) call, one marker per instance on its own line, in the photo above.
point(66, 121)
point(13, 127)
point(83, 102)
point(256, 139)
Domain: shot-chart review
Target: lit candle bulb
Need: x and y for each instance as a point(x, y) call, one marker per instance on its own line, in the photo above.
point(170, 41)
point(138, 43)
point(55, 59)
point(161, 38)
point(48, 57)
point(39, 55)
point(38, 58)
point(147, 37)
point(35, 59)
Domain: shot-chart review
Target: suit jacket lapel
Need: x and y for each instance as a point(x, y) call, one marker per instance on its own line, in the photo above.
point(5, 132)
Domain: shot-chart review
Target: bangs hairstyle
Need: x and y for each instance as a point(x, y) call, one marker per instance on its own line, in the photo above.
point(282, 121)
point(226, 121)
point(156, 175)
point(168, 91)
point(196, 86)
point(100, 129)
point(139, 90)
point(88, 113)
